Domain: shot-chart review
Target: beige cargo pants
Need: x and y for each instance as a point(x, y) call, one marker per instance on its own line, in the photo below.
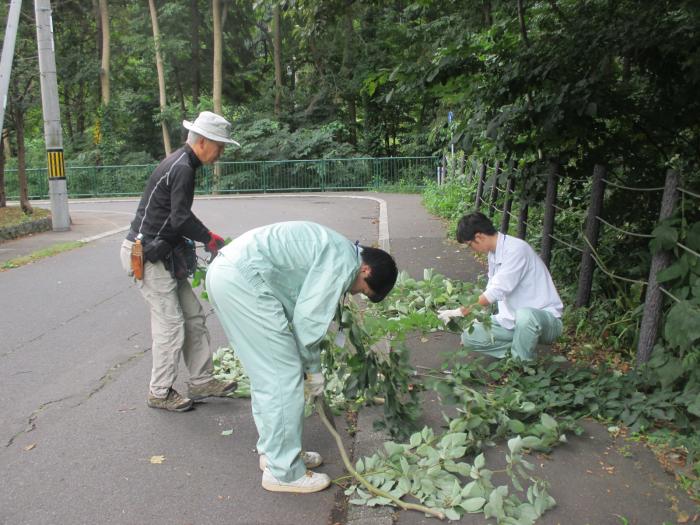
point(178, 325)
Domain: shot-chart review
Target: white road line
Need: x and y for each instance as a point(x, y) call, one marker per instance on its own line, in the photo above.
point(384, 239)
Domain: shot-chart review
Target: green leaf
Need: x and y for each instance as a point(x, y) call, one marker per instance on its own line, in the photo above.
point(694, 406)
point(472, 505)
point(516, 426)
point(515, 444)
point(665, 238)
point(452, 515)
point(393, 449)
point(682, 327)
point(675, 271)
point(548, 421)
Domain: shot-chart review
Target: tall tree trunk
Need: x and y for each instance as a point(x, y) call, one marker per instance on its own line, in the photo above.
point(494, 189)
point(522, 218)
point(80, 109)
point(195, 23)
point(549, 211)
point(521, 21)
point(21, 163)
point(488, 18)
point(181, 101)
point(585, 279)
point(653, 301)
point(507, 204)
point(104, 65)
point(218, 50)
point(352, 119)
point(277, 56)
point(480, 186)
point(67, 113)
point(347, 70)
point(161, 76)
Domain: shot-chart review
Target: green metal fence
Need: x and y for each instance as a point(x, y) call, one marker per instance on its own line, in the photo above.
point(241, 177)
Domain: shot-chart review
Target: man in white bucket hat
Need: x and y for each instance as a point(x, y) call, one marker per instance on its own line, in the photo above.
point(165, 226)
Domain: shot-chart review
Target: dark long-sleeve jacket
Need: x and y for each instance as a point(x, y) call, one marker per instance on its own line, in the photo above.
point(165, 209)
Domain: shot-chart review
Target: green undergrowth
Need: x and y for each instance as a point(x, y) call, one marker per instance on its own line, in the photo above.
point(531, 406)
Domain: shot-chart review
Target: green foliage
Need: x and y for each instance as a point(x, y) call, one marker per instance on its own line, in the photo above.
point(227, 367)
point(428, 469)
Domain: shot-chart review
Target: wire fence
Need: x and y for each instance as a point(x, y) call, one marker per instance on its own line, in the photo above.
point(506, 194)
point(240, 177)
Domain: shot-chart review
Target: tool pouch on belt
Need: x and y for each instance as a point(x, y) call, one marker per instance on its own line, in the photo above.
point(182, 260)
point(156, 250)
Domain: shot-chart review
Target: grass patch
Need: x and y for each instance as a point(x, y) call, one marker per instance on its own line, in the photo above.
point(41, 254)
point(13, 215)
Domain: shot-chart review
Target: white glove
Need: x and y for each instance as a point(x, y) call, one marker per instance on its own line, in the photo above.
point(313, 385)
point(447, 315)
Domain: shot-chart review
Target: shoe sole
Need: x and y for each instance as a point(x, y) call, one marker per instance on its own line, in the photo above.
point(195, 397)
point(181, 409)
point(310, 466)
point(274, 487)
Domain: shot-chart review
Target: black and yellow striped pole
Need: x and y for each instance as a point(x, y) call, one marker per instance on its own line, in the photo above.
point(56, 167)
point(58, 190)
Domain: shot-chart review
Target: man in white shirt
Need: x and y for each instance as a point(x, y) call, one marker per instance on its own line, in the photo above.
point(529, 307)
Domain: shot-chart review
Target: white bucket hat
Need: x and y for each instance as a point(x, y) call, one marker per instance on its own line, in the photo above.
point(211, 126)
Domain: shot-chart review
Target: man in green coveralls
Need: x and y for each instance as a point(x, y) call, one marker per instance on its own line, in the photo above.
point(276, 290)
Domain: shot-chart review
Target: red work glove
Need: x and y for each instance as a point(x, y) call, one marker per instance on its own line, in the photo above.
point(214, 244)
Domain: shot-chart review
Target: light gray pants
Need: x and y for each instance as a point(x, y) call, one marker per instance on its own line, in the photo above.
point(532, 327)
point(178, 325)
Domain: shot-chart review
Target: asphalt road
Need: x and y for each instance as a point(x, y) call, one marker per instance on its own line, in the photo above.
point(74, 368)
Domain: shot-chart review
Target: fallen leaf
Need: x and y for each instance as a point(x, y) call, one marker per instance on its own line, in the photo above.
point(423, 339)
point(682, 517)
point(227, 432)
point(157, 460)
point(30, 447)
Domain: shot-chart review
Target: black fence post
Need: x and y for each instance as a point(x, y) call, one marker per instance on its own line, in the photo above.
point(653, 300)
point(480, 186)
point(522, 218)
point(494, 189)
point(585, 280)
point(549, 211)
point(507, 204)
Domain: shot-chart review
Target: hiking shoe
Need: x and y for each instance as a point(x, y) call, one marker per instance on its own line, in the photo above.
point(309, 482)
point(311, 460)
point(212, 388)
point(173, 402)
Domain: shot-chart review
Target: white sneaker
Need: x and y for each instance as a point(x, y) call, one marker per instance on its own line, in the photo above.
point(310, 459)
point(309, 482)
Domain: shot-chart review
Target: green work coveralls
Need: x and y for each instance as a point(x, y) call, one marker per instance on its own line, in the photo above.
point(276, 290)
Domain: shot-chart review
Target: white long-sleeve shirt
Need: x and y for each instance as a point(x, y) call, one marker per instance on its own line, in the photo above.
point(519, 279)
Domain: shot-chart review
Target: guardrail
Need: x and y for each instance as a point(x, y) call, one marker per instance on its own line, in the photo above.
point(240, 177)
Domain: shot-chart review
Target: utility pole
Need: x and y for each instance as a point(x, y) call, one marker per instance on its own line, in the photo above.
point(53, 136)
point(8, 53)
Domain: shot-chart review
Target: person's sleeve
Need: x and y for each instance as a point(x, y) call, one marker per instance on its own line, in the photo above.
point(182, 220)
point(506, 277)
point(330, 276)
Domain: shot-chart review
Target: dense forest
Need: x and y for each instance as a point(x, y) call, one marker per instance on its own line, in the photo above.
point(311, 79)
